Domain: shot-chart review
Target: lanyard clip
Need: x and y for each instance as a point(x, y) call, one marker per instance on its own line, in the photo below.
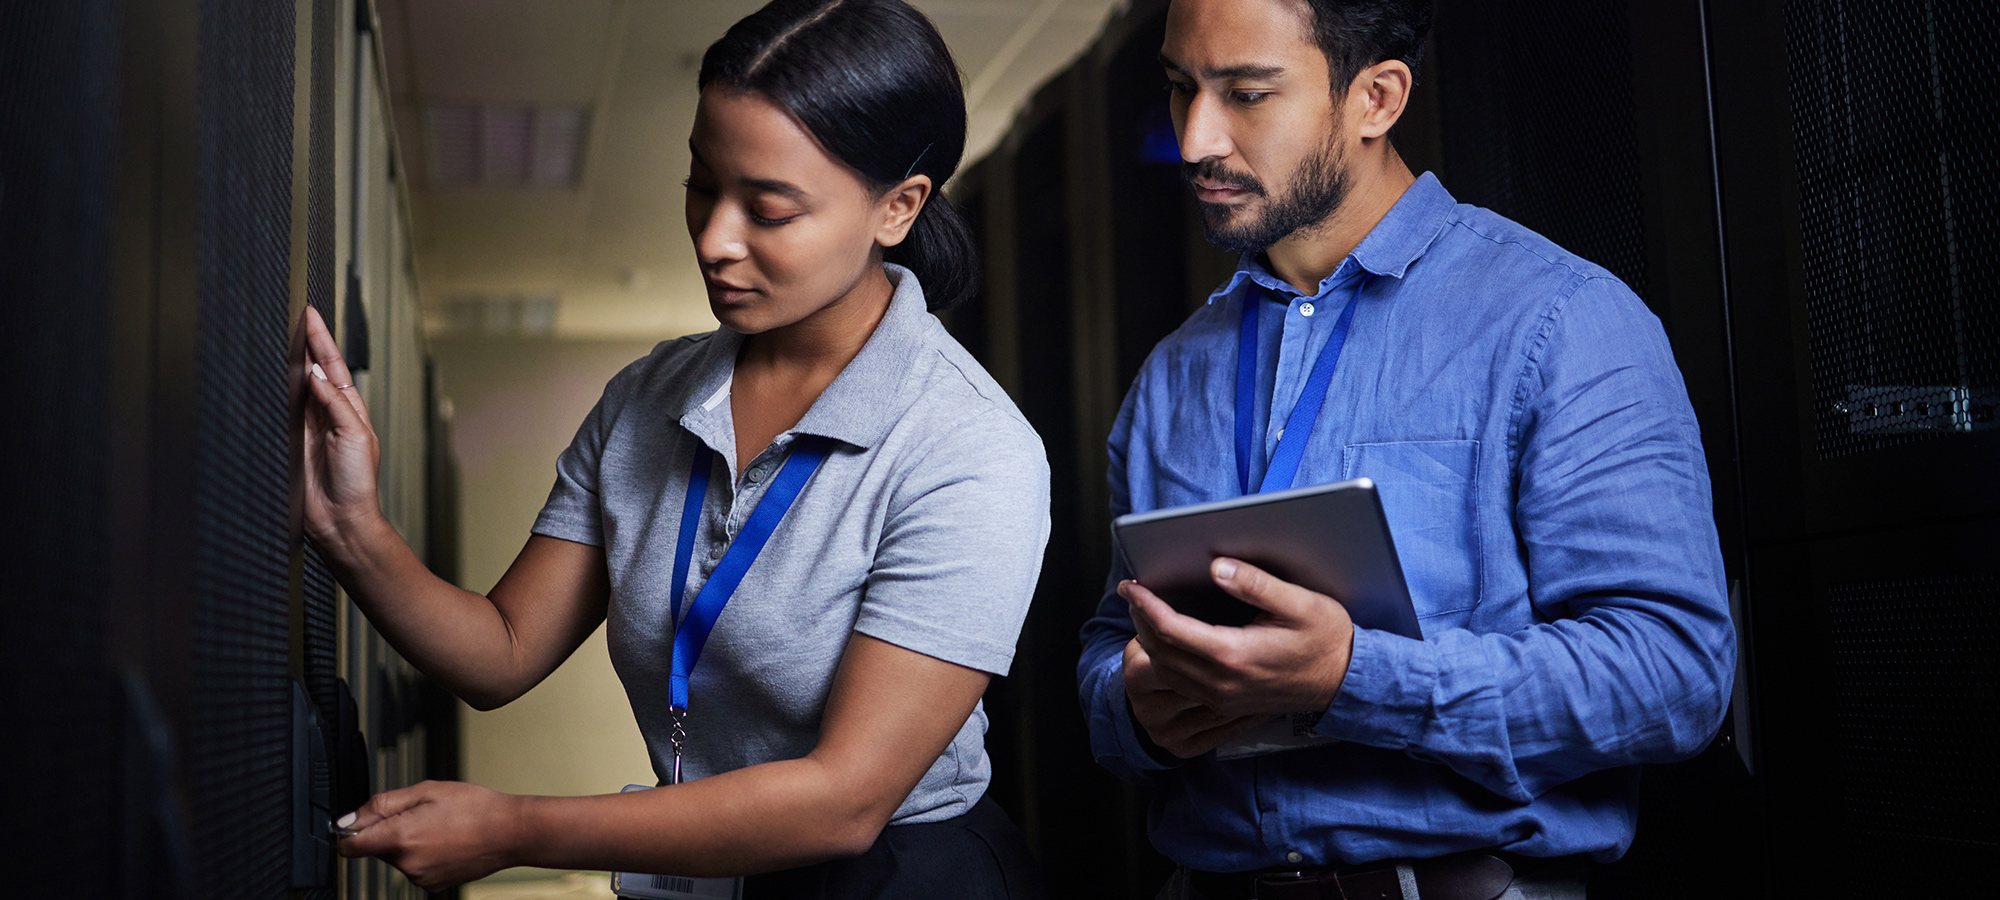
point(676, 738)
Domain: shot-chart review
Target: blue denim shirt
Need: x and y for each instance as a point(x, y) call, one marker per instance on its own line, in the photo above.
point(1543, 478)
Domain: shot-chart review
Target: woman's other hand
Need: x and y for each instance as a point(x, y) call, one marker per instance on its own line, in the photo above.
point(438, 833)
point(341, 451)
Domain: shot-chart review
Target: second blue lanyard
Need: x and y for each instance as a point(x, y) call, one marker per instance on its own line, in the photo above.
point(1284, 467)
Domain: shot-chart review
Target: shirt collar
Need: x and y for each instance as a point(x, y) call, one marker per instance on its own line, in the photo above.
point(864, 400)
point(1398, 240)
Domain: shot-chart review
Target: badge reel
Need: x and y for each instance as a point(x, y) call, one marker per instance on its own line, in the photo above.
point(651, 887)
point(674, 887)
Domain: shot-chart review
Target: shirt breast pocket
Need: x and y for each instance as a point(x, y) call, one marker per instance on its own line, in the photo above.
point(1427, 495)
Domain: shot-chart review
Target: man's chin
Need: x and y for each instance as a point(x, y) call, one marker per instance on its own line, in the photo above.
point(1229, 227)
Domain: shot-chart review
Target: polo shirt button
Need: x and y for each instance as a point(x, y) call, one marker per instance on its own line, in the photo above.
point(1295, 856)
point(715, 552)
point(755, 475)
point(1305, 309)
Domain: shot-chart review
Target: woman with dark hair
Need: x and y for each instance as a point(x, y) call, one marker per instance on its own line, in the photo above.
point(813, 532)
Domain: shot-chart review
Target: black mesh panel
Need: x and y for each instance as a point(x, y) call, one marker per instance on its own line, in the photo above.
point(1916, 706)
point(320, 617)
point(1897, 118)
point(1537, 109)
point(58, 165)
point(238, 742)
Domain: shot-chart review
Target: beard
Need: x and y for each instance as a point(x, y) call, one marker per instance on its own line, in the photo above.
point(1315, 192)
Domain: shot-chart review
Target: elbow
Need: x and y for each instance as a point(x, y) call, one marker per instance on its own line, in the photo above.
point(1702, 713)
point(487, 698)
point(483, 702)
point(856, 833)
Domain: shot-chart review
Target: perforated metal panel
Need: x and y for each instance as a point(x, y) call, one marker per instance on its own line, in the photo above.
point(238, 740)
point(1916, 706)
point(321, 618)
point(1897, 112)
point(58, 169)
point(1538, 115)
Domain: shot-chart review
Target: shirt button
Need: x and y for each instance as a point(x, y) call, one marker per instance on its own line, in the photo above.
point(755, 475)
point(1306, 309)
point(715, 552)
point(1295, 856)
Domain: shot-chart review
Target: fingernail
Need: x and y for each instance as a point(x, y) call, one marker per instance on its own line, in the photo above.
point(1225, 569)
point(346, 821)
point(318, 373)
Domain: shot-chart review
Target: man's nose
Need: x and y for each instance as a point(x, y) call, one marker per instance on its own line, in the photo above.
point(1204, 130)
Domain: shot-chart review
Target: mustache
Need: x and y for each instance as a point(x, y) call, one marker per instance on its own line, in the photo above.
point(1213, 170)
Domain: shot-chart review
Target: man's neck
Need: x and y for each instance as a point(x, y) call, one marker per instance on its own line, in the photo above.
point(1306, 257)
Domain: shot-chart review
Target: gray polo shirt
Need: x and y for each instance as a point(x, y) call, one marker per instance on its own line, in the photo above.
point(924, 528)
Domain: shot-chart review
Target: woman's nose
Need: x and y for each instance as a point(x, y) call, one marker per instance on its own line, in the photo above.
point(719, 237)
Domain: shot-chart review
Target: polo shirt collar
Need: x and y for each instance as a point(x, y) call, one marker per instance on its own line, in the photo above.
point(864, 400)
point(1398, 240)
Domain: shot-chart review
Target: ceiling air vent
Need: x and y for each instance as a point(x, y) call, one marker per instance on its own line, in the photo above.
point(477, 314)
point(498, 145)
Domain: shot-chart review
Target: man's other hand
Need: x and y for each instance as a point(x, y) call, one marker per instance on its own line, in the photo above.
point(1178, 725)
point(1291, 658)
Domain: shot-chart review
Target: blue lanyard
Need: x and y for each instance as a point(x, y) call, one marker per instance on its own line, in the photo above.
point(691, 634)
point(1284, 468)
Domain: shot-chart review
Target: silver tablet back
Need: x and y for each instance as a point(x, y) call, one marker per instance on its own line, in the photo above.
point(1331, 538)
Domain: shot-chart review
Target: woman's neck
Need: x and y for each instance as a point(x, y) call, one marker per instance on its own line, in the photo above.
point(781, 372)
point(828, 339)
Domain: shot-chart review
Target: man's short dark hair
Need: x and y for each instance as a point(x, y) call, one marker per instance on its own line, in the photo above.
point(1356, 34)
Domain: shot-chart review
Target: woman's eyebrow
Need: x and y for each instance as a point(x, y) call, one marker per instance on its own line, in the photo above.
point(784, 189)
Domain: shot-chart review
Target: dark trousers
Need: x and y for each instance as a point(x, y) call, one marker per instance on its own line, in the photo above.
point(976, 856)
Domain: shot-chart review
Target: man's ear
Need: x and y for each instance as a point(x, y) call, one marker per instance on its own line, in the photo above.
point(900, 206)
point(1384, 88)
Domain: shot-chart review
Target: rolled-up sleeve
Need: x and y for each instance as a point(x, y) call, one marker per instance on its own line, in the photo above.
point(1632, 653)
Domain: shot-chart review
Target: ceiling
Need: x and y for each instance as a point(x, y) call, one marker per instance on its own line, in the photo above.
point(613, 250)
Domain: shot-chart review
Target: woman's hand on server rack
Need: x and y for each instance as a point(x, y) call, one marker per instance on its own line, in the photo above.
point(342, 454)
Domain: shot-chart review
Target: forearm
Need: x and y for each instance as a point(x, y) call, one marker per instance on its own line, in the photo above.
point(453, 635)
point(772, 816)
point(1523, 712)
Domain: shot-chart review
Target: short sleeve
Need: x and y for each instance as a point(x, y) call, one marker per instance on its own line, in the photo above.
point(959, 558)
point(573, 511)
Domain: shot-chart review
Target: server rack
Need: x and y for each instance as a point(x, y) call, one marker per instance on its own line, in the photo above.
point(177, 696)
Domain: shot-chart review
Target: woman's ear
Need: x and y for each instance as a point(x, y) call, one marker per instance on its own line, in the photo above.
point(900, 206)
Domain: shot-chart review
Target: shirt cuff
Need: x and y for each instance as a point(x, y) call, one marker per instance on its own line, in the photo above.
point(1387, 698)
point(1114, 715)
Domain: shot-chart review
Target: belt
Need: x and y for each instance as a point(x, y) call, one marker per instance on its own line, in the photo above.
point(1460, 876)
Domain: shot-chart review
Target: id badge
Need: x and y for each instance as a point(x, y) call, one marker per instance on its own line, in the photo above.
point(673, 887)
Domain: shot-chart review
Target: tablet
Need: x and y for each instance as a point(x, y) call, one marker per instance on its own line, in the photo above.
point(1331, 538)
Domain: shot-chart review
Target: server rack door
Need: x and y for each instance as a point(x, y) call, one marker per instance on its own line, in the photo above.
point(1858, 186)
point(60, 700)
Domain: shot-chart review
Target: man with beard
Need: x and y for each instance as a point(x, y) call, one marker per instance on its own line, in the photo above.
point(1537, 459)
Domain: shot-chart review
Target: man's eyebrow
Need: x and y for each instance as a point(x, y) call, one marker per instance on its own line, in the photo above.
point(1246, 71)
point(784, 189)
